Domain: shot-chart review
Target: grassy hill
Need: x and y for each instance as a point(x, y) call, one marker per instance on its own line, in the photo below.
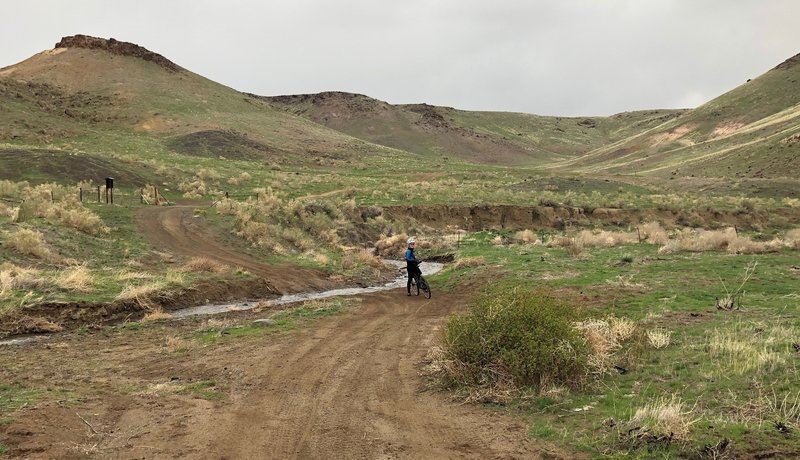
point(479, 137)
point(752, 131)
point(109, 107)
point(85, 98)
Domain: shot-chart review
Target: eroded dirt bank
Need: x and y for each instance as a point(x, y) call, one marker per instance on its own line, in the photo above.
point(345, 387)
point(486, 217)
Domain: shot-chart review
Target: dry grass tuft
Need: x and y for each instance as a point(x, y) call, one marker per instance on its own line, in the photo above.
point(654, 233)
point(322, 259)
point(175, 343)
point(29, 242)
point(792, 238)
point(6, 211)
point(391, 246)
point(605, 239)
point(664, 420)
point(78, 279)
point(605, 336)
point(14, 277)
point(527, 237)
point(623, 282)
point(140, 293)
point(156, 315)
point(204, 264)
point(659, 338)
point(717, 240)
point(573, 245)
point(752, 347)
point(470, 262)
point(369, 258)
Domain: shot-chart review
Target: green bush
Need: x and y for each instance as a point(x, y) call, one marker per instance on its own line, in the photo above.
point(520, 338)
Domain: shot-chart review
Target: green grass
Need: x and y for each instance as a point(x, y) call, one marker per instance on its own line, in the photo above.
point(13, 397)
point(674, 292)
point(283, 321)
point(206, 389)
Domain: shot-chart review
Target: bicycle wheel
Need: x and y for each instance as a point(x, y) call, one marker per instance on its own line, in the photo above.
point(415, 284)
point(425, 288)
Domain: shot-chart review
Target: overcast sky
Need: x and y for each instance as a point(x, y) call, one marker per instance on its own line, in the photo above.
point(556, 57)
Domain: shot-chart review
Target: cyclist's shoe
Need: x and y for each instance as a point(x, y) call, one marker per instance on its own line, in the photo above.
point(409, 294)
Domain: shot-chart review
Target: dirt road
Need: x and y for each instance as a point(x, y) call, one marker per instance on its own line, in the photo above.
point(175, 229)
point(347, 386)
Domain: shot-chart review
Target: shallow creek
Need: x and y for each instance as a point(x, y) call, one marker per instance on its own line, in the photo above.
point(428, 268)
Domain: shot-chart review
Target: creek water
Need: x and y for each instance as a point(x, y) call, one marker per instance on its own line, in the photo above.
point(428, 268)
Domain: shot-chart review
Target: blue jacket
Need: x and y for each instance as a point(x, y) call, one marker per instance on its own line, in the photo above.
point(410, 257)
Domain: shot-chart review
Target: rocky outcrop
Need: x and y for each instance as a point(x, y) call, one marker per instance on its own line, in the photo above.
point(117, 47)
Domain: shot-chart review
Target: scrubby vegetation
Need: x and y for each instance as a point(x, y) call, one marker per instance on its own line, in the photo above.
point(512, 340)
point(666, 370)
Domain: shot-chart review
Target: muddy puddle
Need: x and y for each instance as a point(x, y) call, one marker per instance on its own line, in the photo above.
point(428, 268)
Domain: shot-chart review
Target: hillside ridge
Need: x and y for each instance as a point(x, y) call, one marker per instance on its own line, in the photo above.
point(117, 47)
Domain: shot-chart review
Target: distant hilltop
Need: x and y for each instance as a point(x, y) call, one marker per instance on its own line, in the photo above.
point(117, 47)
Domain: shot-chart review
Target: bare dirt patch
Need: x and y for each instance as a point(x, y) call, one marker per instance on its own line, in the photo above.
point(727, 128)
point(60, 166)
point(671, 136)
point(215, 143)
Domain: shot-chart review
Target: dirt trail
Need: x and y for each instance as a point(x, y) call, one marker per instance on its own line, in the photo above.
point(175, 229)
point(345, 387)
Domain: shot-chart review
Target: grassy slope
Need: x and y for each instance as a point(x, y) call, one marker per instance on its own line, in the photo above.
point(481, 137)
point(736, 393)
point(102, 104)
point(742, 133)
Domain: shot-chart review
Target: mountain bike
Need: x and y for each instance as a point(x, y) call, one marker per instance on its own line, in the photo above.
point(418, 283)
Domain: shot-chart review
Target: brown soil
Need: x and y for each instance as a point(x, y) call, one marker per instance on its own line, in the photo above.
point(175, 229)
point(510, 217)
point(344, 387)
point(57, 316)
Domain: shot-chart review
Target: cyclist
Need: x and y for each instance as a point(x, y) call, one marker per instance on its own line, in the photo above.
point(411, 264)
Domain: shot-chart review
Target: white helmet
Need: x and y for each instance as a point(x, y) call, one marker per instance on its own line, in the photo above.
point(411, 241)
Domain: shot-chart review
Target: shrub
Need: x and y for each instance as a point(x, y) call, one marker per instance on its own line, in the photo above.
point(391, 246)
point(515, 338)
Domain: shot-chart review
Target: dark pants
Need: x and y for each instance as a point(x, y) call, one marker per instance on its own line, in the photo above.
point(413, 271)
